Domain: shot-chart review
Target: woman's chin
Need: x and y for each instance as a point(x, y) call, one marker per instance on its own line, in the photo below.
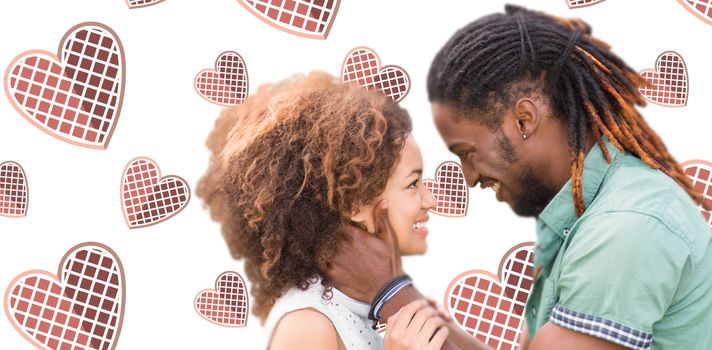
point(414, 251)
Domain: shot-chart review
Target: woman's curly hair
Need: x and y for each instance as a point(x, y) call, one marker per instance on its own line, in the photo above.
point(289, 166)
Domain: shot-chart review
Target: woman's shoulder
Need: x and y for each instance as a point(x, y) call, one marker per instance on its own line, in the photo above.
point(305, 328)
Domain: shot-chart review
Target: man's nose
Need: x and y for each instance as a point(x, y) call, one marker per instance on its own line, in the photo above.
point(472, 176)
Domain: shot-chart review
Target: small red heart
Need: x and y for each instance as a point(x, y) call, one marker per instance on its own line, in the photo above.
point(362, 67)
point(450, 190)
point(702, 9)
point(146, 197)
point(133, 4)
point(490, 307)
point(227, 84)
point(227, 304)
point(13, 190)
point(669, 80)
point(82, 310)
point(306, 18)
point(700, 172)
point(75, 96)
point(582, 3)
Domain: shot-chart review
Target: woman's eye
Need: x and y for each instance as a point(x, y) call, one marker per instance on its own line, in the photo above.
point(414, 184)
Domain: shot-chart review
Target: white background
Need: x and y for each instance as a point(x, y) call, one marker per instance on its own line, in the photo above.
point(74, 192)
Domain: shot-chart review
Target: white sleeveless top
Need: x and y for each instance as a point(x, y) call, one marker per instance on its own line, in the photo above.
point(349, 316)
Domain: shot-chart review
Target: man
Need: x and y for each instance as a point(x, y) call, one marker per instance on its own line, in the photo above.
point(544, 113)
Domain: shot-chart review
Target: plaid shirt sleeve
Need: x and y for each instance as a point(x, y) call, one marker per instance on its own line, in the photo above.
point(600, 328)
point(618, 277)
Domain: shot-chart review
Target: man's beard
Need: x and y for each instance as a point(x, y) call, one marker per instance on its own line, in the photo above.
point(534, 196)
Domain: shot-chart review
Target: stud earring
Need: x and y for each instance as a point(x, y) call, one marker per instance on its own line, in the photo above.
point(524, 136)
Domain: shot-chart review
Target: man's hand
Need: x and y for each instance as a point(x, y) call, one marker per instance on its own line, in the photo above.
point(364, 263)
point(418, 325)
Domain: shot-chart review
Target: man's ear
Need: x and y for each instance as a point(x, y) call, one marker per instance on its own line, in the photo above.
point(527, 114)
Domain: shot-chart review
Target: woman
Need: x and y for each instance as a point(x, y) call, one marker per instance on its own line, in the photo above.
point(288, 167)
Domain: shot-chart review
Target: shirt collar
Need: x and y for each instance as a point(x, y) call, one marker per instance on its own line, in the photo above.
point(353, 305)
point(560, 214)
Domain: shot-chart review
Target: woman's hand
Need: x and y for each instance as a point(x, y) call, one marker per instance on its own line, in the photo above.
point(417, 325)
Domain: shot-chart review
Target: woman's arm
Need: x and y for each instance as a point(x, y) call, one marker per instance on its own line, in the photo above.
point(305, 329)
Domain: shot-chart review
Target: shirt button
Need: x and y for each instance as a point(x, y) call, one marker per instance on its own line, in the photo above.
point(534, 311)
point(566, 232)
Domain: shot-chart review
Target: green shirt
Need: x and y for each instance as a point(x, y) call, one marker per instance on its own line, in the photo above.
point(635, 269)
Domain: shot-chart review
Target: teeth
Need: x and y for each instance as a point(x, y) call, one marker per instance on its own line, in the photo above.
point(496, 187)
point(419, 225)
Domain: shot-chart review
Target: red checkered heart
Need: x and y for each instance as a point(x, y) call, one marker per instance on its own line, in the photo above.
point(147, 198)
point(668, 79)
point(702, 9)
point(227, 84)
point(450, 190)
point(75, 96)
point(79, 308)
point(582, 3)
point(227, 304)
point(13, 190)
point(362, 67)
point(306, 18)
point(700, 172)
point(141, 3)
point(490, 307)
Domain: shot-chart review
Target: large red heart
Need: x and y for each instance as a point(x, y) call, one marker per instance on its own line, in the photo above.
point(450, 190)
point(132, 4)
point(146, 197)
point(582, 3)
point(700, 172)
point(702, 9)
point(668, 79)
point(306, 18)
point(362, 67)
point(490, 307)
point(13, 190)
point(75, 96)
point(227, 304)
point(227, 84)
point(79, 308)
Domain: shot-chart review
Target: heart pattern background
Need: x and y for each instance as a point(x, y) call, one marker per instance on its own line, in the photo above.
point(450, 190)
point(582, 3)
point(306, 18)
point(79, 308)
point(700, 172)
point(146, 197)
point(227, 84)
point(362, 67)
point(14, 193)
point(226, 305)
point(669, 81)
point(76, 95)
point(701, 9)
point(158, 109)
point(133, 4)
point(491, 307)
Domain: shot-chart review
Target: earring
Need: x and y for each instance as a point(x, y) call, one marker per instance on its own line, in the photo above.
point(524, 136)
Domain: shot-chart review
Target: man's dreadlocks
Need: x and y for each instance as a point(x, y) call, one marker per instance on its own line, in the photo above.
point(488, 62)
